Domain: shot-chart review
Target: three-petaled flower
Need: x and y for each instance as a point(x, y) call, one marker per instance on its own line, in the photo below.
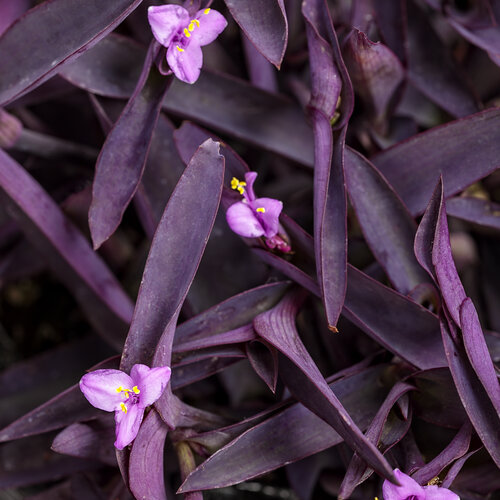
point(184, 36)
point(126, 395)
point(255, 217)
point(411, 490)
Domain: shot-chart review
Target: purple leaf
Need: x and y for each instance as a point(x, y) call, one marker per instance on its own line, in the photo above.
point(391, 21)
point(92, 440)
point(83, 488)
point(265, 24)
point(455, 469)
point(111, 68)
point(456, 449)
point(444, 267)
point(396, 322)
point(357, 470)
point(477, 352)
point(432, 70)
point(123, 156)
point(475, 210)
point(175, 252)
point(10, 10)
point(436, 400)
point(260, 70)
point(475, 400)
point(264, 360)
point(67, 251)
point(462, 151)
point(235, 312)
point(305, 381)
point(388, 227)
point(29, 57)
point(376, 74)
point(146, 459)
point(236, 336)
point(292, 434)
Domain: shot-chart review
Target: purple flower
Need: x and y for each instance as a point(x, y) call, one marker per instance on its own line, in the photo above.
point(255, 217)
point(127, 396)
point(411, 490)
point(184, 36)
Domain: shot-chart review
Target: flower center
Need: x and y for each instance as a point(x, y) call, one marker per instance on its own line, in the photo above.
point(131, 396)
point(182, 37)
point(239, 186)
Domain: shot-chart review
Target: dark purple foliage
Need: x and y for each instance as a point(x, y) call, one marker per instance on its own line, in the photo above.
point(362, 343)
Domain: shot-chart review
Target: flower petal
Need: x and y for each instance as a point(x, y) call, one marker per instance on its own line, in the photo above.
point(250, 179)
point(100, 388)
point(166, 21)
point(211, 25)
point(267, 211)
point(433, 492)
point(242, 221)
point(151, 382)
point(409, 488)
point(185, 62)
point(127, 425)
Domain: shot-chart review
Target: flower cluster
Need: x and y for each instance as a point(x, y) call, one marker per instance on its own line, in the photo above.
point(126, 395)
point(256, 217)
point(184, 36)
point(411, 490)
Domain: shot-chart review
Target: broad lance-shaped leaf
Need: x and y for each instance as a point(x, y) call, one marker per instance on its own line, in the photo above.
point(376, 74)
point(265, 24)
point(264, 360)
point(432, 69)
point(475, 400)
point(175, 252)
point(97, 291)
point(291, 435)
point(329, 82)
point(475, 210)
point(305, 381)
point(462, 151)
point(146, 459)
point(391, 21)
point(477, 352)
point(223, 103)
point(28, 56)
point(123, 157)
point(357, 470)
point(387, 225)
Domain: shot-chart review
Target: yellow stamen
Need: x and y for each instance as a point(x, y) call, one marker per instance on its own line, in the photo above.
point(123, 407)
point(179, 49)
point(241, 190)
point(261, 210)
point(206, 11)
point(120, 389)
point(186, 32)
point(191, 26)
point(239, 186)
point(195, 21)
point(136, 389)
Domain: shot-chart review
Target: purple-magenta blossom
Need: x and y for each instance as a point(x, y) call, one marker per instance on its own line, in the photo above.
point(126, 395)
point(255, 217)
point(184, 36)
point(411, 490)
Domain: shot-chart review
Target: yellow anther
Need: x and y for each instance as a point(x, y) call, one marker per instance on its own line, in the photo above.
point(120, 389)
point(191, 26)
point(241, 190)
point(186, 32)
point(136, 389)
point(195, 21)
point(234, 183)
point(262, 210)
point(179, 49)
point(123, 407)
point(206, 11)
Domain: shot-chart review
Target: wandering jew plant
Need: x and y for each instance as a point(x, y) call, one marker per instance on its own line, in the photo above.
point(169, 328)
